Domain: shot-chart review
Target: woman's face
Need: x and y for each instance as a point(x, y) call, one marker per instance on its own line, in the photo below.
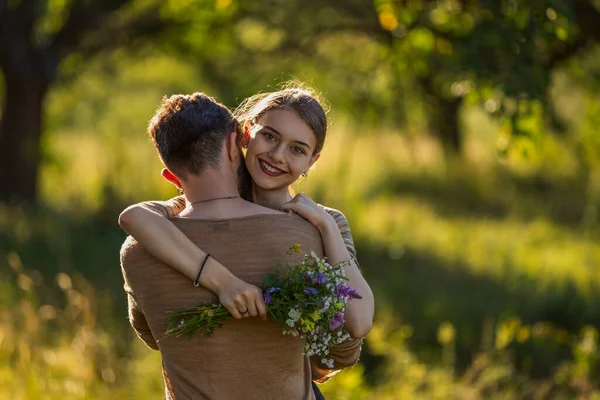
point(280, 149)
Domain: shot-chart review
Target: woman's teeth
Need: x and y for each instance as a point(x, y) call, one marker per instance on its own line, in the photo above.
point(270, 169)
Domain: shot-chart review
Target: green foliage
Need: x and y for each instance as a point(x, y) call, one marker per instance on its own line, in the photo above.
point(202, 319)
point(484, 268)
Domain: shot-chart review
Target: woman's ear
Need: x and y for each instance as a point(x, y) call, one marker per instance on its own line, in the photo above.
point(313, 160)
point(168, 175)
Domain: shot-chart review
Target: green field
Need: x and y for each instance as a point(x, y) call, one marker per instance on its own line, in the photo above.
point(484, 268)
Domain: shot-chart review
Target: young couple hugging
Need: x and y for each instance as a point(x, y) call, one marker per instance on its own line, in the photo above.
point(237, 217)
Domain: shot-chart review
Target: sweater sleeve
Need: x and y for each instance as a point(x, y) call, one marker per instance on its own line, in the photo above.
point(138, 321)
point(137, 318)
point(344, 355)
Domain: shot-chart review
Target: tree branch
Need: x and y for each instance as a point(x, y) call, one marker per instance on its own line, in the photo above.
point(587, 17)
point(82, 18)
point(567, 52)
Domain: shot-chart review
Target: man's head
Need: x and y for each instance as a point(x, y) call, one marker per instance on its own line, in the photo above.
point(193, 133)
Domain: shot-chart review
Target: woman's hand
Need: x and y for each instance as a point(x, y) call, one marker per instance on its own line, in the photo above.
point(303, 205)
point(241, 299)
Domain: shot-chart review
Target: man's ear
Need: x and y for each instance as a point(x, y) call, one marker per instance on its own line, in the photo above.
point(232, 146)
point(246, 133)
point(168, 175)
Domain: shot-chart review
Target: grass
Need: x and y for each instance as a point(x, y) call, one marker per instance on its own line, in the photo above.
point(54, 346)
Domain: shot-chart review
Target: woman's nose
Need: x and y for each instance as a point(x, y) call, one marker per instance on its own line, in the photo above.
point(276, 153)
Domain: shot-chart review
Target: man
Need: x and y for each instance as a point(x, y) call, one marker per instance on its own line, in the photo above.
point(246, 358)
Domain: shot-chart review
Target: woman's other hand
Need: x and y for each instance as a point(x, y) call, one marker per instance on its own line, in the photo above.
point(241, 299)
point(303, 205)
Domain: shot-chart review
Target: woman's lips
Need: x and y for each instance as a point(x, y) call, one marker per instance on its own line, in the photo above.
point(269, 169)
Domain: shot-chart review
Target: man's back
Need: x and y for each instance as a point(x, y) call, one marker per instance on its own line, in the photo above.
point(247, 358)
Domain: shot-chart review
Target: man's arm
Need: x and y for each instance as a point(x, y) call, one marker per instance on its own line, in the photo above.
point(137, 318)
point(138, 321)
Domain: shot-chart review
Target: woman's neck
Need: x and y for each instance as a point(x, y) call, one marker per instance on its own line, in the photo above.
point(270, 198)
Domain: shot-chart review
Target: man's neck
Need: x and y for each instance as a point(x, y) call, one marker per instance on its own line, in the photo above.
point(209, 184)
point(271, 198)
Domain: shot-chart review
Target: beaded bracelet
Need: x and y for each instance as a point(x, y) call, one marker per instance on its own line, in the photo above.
point(197, 281)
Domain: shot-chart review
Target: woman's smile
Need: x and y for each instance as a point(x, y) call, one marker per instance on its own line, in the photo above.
point(269, 169)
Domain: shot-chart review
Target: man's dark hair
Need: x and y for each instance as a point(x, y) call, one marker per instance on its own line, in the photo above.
point(189, 132)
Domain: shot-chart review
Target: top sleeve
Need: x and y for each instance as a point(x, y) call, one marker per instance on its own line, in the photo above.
point(344, 227)
point(168, 208)
point(344, 355)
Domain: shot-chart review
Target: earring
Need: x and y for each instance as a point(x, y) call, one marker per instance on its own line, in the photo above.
point(304, 174)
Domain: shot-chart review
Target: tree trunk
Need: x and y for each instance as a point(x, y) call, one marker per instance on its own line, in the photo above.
point(447, 126)
point(443, 117)
point(20, 131)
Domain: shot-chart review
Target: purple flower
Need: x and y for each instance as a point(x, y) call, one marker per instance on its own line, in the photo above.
point(342, 290)
point(336, 321)
point(333, 324)
point(320, 278)
point(267, 297)
point(267, 294)
point(354, 294)
point(310, 290)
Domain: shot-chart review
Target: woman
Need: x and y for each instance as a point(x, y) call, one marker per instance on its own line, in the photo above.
point(283, 133)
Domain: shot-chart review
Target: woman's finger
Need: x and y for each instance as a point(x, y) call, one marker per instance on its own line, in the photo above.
point(241, 305)
point(251, 309)
point(233, 311)
point(261, 307)
point(288, 206)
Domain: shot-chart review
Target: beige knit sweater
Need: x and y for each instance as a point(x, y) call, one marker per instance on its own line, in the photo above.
point(244, 359)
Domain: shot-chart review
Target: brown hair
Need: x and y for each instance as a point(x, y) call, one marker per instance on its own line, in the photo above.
point(301, 100)
point(189, 132)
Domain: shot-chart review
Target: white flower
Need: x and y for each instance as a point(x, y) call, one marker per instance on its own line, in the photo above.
point(290, 322)
point(295, 315)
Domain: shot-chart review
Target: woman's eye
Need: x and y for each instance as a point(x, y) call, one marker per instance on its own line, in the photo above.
point(269, 136)
point(298, 150)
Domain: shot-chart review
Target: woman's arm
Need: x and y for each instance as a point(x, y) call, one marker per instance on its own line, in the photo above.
point(359, 312)
point(148, 224)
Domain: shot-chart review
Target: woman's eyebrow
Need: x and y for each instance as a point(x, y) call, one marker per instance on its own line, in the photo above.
point(271, 129)
point(302, 144)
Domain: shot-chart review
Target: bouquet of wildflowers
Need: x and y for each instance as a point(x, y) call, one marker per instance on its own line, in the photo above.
point(307, 299)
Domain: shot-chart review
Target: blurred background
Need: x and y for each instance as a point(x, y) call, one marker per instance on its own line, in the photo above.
point(463, 148)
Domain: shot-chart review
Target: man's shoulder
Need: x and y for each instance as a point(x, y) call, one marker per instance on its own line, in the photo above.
point(270, 218)
point(131, 250)
point(129, 244)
